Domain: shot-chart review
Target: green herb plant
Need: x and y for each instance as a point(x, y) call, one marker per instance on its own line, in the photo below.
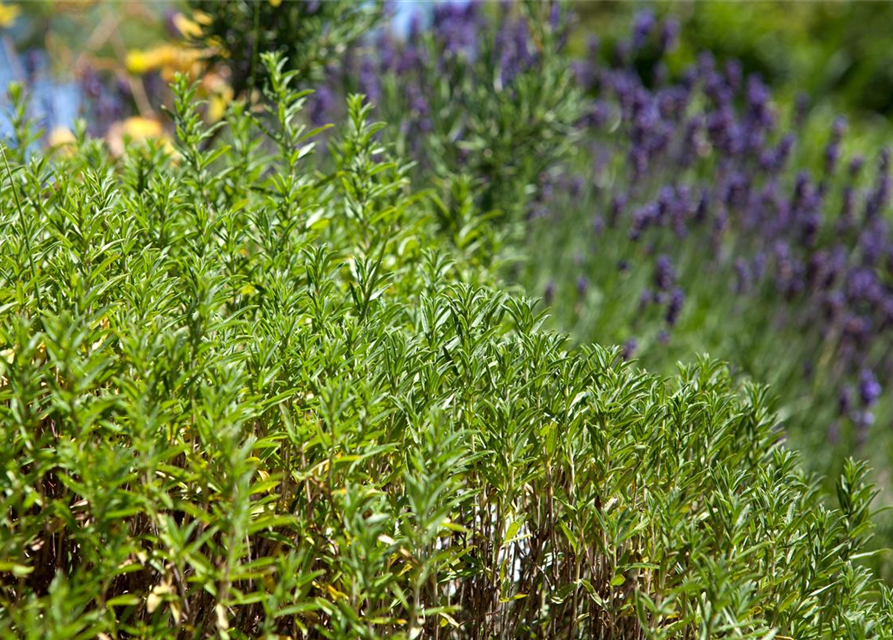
point(243, 397)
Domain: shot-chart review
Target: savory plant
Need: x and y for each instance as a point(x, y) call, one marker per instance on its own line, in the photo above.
point(245, 397)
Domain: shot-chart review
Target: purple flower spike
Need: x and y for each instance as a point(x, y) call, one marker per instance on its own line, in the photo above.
point(669, 35)
point(555, 16)
point(629, 348)
point(549, 293)
point(832, 150)
point(677, 299)
point(664, 276)
point(642, 28)
point(845, 401)
point(869, 388)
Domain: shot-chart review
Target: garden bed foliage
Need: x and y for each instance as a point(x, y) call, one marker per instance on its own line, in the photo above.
point(243, 396)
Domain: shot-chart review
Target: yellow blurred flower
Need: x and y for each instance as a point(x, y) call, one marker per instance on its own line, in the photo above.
point(167, 58)
point(8, 14)
point(275, 3)
point(217, 105)
point(202, 18)
point(138, 128)
point(61, 136)
point(63, 139)
point(135, 128)
point(189, 27)
point(219, 93)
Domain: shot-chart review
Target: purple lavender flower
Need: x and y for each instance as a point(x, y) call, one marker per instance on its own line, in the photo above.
point(845, 400)
point(419, 106)
point(646, 298)
point(623, 52)
point(848, 205)
point(387, 51)
point(370, 80)
point(758, 101)
point(742, 276)
point(593, 43)
point(886, 309)
point(91, 85)
point(669, 35)
point(555, 16)
point(869, 388)
point(598, 224)
point(584, 73)
point(862, 284)
point(664, 275)
point(455, 26)
point(784, 151)
point(706, 63)
point(863, 420)
point(601, 111)
point(415, 28)
point(322, 105)
point(734, 74)
point(618, 205)
point(832, 150)
point(834, 433)
point(35, 61)
point(674, 308)
point(549, 293)
point(643, 27)
point(703, 208)
point(881, 194)
point(736, 190)
point(629, 348)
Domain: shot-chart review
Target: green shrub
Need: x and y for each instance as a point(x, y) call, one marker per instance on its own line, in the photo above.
point(245, 398)
point(838, 52)
point(310, 34)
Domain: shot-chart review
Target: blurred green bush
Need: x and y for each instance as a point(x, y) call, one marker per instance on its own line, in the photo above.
point(837, 51)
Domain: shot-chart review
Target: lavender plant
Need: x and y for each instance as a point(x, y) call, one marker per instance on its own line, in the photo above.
point(242, 396)
point(479, 97)
point(696, 225)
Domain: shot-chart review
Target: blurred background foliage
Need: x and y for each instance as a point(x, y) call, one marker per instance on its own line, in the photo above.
point(109, 60)
point(838, 51)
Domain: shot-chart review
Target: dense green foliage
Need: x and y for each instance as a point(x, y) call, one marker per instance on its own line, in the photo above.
point(837, 51)
point(309, 34)
point(242, 397)
point(473, 111)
